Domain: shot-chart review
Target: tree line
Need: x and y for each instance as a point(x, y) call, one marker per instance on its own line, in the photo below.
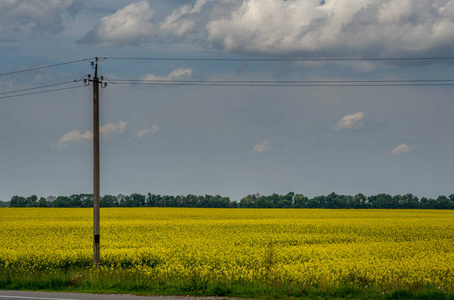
point(333, 200)
point(289, 200)
point(132, 200)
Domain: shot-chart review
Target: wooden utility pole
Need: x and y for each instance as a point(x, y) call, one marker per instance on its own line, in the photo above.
point(96, 171)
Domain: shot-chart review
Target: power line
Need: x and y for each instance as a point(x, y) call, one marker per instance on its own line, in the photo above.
point(283, 81)
point(36, 88)
point(293, 85)
point(45, 67)
point(241, 83)
point(290, 83)
point(271, 59)
point(42, 92)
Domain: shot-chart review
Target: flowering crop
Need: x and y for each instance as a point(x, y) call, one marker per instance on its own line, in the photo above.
point(331, 248)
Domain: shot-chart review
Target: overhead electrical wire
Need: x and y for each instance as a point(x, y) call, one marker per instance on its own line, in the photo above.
point(238, 83)
point(36, 88)
point(45, 67)
point(42, 92)
point(290, 83)
point(271, 59)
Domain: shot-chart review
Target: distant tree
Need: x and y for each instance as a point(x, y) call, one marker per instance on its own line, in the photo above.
point(320, 202)
point(87, 200)
point(61, 201)
point(289, 200)
point(381, 201)
point(225, 201)
point(451, 197)
point(120, 199)
point(248, 202)
point(234, 204)
point(181, 201)
point(313, 203)
point(410, 201)
point(262, 202)
point(335, 201)
point(31, 201)
point(286, 201)
point(159, 202)
point(108, 201)
point(150, 200)
point(42, 202)
point(443, 202)
point(192, 200)
point(359, 201)
point(432, 203)
point(138, 200)
point(169, 201)
point(300, 201)
point(274, 198)
point(75, 200)
point(128, 201)
point(17, 201)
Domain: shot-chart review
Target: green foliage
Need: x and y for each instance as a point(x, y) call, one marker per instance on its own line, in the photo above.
point(289, 200)
point(335, 201)
point(122, 281)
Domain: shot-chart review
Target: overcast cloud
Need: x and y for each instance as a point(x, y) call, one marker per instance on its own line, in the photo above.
point(385, 28)
point(128, 26)
point(229, 140)
point(271, 27)
point(37, 15)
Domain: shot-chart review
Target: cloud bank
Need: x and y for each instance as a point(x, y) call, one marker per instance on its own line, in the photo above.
point(128, 26)
point(378, 28)
point(330, 27)
point(36, 16)
point(135, 23)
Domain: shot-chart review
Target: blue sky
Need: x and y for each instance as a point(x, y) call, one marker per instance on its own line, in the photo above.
point(231, 141)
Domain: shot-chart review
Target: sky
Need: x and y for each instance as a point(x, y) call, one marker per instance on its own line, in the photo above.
point(227, 140)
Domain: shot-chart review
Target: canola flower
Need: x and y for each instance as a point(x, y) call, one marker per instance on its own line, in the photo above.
point(386, 248)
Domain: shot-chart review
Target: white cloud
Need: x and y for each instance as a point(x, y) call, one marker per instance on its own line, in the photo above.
point(388, 27)
point(128, 26)
point(353, 121)
point(262, 148)
point(149, 132)
point(112, 128)
point(302, 27)
point(182, 20)
point(76, 136)
point(175, 74)
point(177, 23)
point(134, 24)
point(401, 149)
point(37, 15)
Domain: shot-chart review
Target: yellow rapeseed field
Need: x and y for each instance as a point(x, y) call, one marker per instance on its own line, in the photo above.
point(386, 248)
